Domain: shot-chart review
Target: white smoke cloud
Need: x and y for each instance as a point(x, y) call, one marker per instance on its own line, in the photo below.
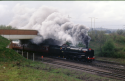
point(50, 23)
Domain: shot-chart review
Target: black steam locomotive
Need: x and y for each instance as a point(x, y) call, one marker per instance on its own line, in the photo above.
point(68, 52)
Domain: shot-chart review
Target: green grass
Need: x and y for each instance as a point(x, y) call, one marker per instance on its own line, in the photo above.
point(3, 42)
point(7, 55)
point(16, 73)
point(29, 71)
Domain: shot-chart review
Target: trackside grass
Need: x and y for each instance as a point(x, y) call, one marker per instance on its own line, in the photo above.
point(37, 71)
point(8, 72)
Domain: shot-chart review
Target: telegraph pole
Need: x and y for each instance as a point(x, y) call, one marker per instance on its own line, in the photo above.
point(91, 21)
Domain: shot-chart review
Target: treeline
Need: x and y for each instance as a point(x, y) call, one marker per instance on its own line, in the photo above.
point(6, 27)
point(109, 45)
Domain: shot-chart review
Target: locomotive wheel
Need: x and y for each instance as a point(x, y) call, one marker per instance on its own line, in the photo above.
point(89, 61)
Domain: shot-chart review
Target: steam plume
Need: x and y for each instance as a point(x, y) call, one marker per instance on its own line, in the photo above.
point(51, 24)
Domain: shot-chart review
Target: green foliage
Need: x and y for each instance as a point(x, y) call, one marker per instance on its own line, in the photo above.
point(98, 36)
point(108, 49)
point(1, 48)
point(117, 37)
point(123, 49)
point(93, 35)
point(116, 42)
point(120, 53)
point(3, 42)
point(120, 32)
point(120, 38)
point(6, 27)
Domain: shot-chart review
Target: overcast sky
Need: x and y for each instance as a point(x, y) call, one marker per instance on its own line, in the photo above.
point(107, 14)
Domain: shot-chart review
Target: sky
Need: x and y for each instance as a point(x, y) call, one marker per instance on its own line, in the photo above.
point(105, 14)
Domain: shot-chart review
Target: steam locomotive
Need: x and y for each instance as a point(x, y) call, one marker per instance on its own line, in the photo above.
point(83, 54)
point(64, 51)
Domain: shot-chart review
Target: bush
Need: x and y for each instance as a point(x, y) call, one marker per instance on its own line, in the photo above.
point(108, 50)
point(1, 48)
point(120, 39)
point(123, 49)
point(120, 54)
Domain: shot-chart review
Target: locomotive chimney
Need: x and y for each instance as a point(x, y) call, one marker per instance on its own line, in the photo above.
point(87, 44)
point(86, 40)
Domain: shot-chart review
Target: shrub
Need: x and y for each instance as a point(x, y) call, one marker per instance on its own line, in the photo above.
point(108, 50)
point(120, 54)
point(120, 39)
point(123, 49)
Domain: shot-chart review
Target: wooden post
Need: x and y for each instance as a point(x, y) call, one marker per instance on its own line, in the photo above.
point(17, 51)
point(22, 53)
point(27, 55)
point(10, 45)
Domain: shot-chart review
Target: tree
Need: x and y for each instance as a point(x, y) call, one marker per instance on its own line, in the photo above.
point(93, 34)
point(101, 39)
point(108, 49)
point(120, 32)
point(6, 27)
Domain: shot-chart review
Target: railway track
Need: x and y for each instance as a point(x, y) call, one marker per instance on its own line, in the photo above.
point(105, 66)
point(109, 74)
point(109, 62)
point(122, 66)
point(110, 67)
